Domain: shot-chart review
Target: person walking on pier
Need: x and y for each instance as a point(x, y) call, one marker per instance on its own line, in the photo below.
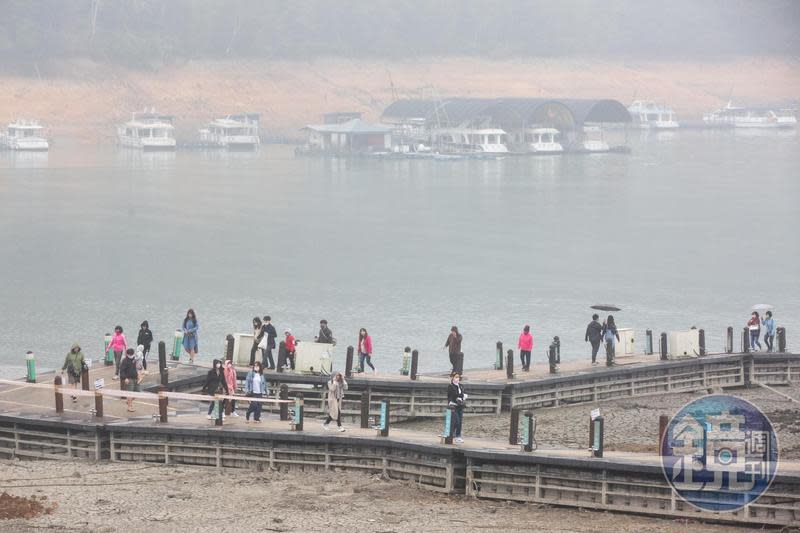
point(190, 327)
point(118, 345)
point(453, 345)
point(129, 376)
point(215, 384)
point(325, 335)
point(365, 351)
point(336, 387)
point(266, 355)
point(145, 339)
point(754, 325)
point(609, 335)
point(73, 364)
point(290, 347)
point(255, 386)
point(230, 380)
point(769, 330)
point(456, 399)
point(258, 334)
point(525, 345)
point(594, 335)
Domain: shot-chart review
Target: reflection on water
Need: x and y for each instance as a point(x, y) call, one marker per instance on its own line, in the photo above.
point(683, 231)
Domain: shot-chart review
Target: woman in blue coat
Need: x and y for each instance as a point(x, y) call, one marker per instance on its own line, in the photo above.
point(190, 334)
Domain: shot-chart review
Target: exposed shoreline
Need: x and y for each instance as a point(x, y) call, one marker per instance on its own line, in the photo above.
point(84, 100)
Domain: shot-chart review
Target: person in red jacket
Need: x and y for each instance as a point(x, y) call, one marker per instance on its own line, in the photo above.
point(525, 346)
point(290, 347)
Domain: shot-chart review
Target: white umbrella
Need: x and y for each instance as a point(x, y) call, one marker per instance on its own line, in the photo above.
point(762, 307)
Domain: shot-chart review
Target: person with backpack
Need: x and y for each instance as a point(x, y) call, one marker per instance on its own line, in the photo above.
point(73, 364)
point(129, 376)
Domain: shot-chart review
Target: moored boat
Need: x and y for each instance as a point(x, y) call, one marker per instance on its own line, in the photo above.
point(648, 114)
point(25, 135)
point(233, 132)
point(147, 130)
point(749, 117)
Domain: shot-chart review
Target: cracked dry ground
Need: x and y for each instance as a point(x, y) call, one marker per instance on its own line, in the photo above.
point(138, 497)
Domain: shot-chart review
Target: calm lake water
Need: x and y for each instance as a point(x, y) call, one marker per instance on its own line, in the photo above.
point(691, 228)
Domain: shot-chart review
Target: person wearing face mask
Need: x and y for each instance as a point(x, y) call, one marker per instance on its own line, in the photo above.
point(128, 375)
point(73, 364)
point(145, 339)
point(230, 380)
point(215, 384)
point(456, 398)
point(255, 386)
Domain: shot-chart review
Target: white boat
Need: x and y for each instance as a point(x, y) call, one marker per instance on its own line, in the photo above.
point(593, 140)
point(470, 140)
point(148, 131)
point(541, 141)
point(649, 114)
point(27, 135)
point(233, 132)
point(749, 117)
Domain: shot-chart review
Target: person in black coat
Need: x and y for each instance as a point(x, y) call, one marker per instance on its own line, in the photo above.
point(145, 339)
point(215, 383)
point(128, 375)
point(456, 399)
point(594, 334)
point(269, 330)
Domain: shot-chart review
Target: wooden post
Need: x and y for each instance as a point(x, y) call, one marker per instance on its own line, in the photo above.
point(85, 378)
point(163, 401)
point(729, 340)
point(165, 377)
point(229, 347)
point(663, 422)
point(348, 363)
point(281, 356)
point(414, 364)
point(664, 355)
point(551, 358)
point(162, 356)
point(529, 428)
point(746, 340)
point(513, 433)
point(57, 382)
point(98, 404)
point(498, 365)
point(365, 394)
point(218, 420)
point(284, 407)
point(701, 335)
point(510, 364)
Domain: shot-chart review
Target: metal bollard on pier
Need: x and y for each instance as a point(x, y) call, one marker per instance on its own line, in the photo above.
point(384, 423)
point(513, 430)
point(109, 355)
point(596, 435)
point(406, 368)
point(729, 340)
point(557, 342)
point(217, 412)
point(162, 356)
point(449, 424)
point(299, 415)
point(281, 356)
point(528, 432)
point(663, 346)
point(745, 340)
point(648, 342)
point(510, 364)
point(551, 358)
point(165, 377)
point(30, 365)
point(177, 344)
point(781, 334)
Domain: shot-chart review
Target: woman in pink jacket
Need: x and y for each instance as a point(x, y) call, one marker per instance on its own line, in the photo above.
point(118, 345)
point(525, 346)
point(230, 379)
point(365, 350)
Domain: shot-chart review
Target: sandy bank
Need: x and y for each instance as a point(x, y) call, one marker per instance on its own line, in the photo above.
point(85, 100)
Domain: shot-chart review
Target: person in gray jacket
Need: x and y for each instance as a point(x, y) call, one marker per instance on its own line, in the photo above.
point(594, 334)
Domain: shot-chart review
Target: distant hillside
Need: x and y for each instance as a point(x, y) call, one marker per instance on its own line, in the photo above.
point(86, 99)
